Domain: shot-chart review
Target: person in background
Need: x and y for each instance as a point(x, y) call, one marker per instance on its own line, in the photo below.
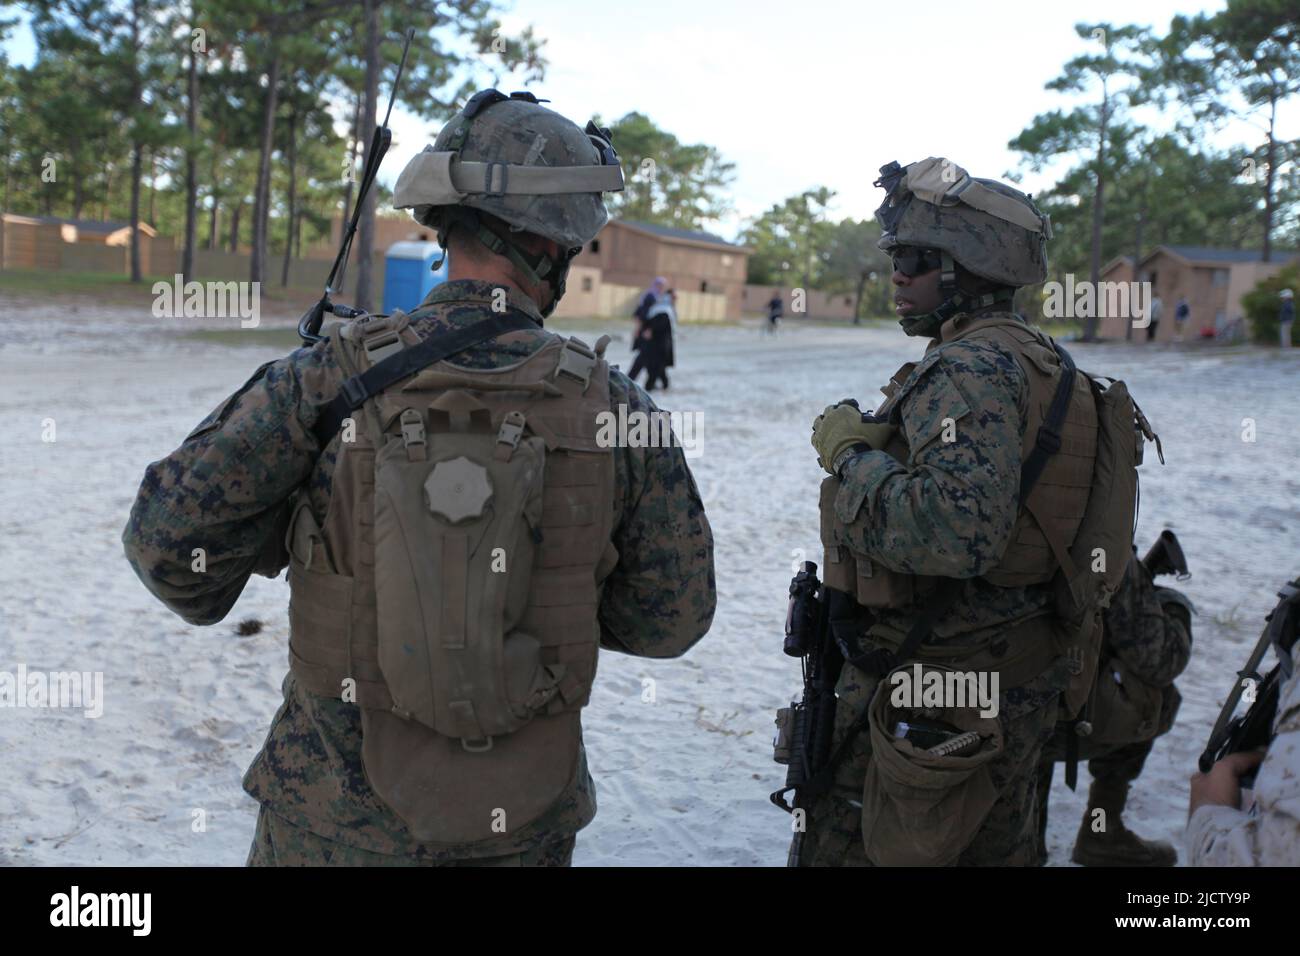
point(660, 323)
point(1285, 317)
point(641, 334)
point(1182, 312)
point(774, 310)
point(1157, 310)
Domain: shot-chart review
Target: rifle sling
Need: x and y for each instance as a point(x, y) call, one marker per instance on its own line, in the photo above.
point(354, 391)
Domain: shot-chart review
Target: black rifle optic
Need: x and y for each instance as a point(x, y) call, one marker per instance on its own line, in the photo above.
point(1166, 557)
point(310, 323)
point(1254, 729)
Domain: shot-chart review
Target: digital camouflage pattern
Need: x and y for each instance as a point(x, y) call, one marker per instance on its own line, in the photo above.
point(277, 842)
point(948, 511)
point(224, 491)
point(1147, 629)
point(525, 134)
point(1268, 834)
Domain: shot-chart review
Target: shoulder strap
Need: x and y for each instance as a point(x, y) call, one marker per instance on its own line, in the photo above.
point(1048, 441)
point(356, 390)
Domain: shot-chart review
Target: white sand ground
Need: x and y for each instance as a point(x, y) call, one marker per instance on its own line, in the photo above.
point(682, 780)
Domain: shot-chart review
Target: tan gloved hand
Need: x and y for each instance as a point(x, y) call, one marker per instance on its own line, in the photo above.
point(840, 427)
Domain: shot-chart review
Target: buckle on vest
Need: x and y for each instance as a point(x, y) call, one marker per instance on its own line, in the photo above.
point(412, 423)
point(512, 429)
point(576, 361)
point(381, 345)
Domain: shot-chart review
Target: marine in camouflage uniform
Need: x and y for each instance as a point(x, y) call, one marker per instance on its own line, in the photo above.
point(225, 491)
point(947, 510)
point(1148, 629)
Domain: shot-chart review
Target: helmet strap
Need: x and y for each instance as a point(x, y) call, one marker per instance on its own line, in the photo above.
point(954, 301)
point(537, 268)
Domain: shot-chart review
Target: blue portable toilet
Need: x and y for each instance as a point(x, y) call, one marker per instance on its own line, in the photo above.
point(409, 275)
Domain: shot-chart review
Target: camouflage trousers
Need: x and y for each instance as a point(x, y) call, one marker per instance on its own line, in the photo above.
point(277, 842)
point(1008, 835)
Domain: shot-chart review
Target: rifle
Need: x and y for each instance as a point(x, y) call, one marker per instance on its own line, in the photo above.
point(806, 727)
point(1166, 557)
point(1254, 729)
point(310, 323)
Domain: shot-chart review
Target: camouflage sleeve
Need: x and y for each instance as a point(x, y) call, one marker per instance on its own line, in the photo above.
point(659, 599)
point(1153, 643)
point(949, 511)
point(1269, 833)
point(207, 515)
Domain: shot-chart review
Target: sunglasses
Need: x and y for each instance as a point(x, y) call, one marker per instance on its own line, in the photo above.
point(912, 261)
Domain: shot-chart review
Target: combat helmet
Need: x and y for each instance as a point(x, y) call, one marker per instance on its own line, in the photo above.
point(516, 160)
point(990, 229)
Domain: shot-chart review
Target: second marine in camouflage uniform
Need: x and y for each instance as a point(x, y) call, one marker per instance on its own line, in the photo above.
point(926, 490)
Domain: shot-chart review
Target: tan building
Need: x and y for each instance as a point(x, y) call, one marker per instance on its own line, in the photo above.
point(82, 245)
point(609, 276)
point(1213, 281)
point(707, 272)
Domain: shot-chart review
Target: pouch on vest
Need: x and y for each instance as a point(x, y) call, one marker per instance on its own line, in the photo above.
point(919, 809)
point(457, 510)
point(1122, 708)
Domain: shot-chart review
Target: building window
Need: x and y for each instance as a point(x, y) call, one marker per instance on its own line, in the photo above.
point(726, 261)
point(1220, 278)
point(595, 246)
point(586, 283)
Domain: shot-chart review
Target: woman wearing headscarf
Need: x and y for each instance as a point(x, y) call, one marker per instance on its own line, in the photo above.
point(641, 335)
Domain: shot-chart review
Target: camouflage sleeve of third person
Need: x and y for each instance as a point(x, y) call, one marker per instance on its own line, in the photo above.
point(659, 600)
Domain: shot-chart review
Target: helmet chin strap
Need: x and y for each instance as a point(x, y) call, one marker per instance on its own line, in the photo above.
point(953, 302)
point(537, 268)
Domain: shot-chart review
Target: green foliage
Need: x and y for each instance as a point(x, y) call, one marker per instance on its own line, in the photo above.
point(1261, 305)
point(668, 182)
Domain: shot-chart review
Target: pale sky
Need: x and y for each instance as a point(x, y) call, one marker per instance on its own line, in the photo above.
point(799, 94)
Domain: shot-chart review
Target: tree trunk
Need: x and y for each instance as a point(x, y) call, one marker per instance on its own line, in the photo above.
point(216, 205)
point(1270, 164)
point(153, 185)
point(137, 156)
point(293, 197)
point(191, 162)
point(366, 228)
point(1138, 232)
point(262, 195)
point(234, 226)
point(1098, 206)
point(857, 298)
